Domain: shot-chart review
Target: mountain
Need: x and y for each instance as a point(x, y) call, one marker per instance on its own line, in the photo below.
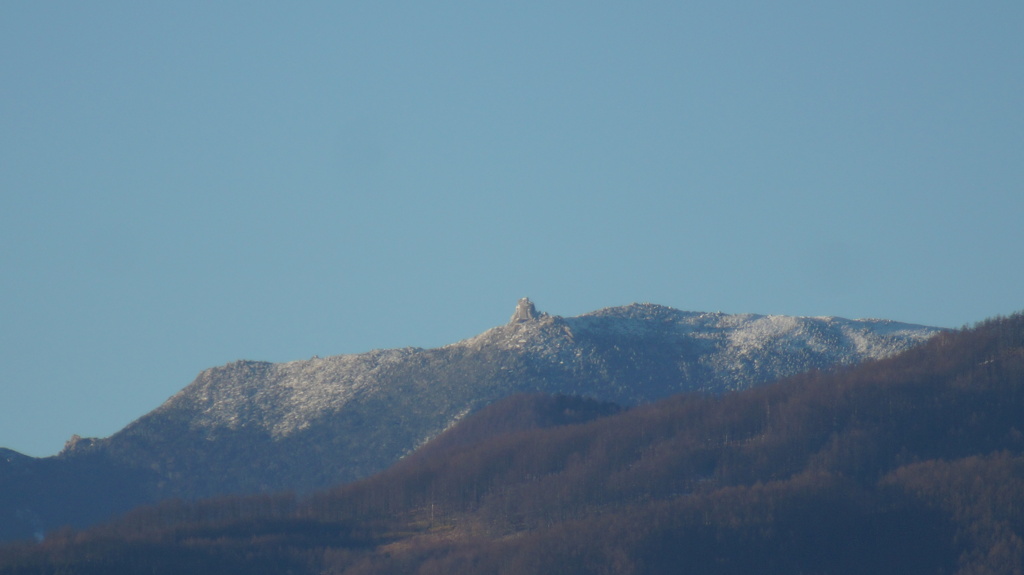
point(258, 427)
point(911, 464)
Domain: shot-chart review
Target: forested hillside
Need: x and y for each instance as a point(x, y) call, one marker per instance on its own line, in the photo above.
point(912, 464)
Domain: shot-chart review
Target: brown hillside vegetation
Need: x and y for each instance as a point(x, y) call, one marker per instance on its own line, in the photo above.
point(914, 464)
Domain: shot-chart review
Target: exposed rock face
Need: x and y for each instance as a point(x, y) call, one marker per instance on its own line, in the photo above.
point(77, 442)
point(258, 426)
point(525, 311)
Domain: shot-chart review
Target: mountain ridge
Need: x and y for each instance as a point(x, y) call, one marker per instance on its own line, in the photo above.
point(285, 398)
point(251, 426)
point(910, 464)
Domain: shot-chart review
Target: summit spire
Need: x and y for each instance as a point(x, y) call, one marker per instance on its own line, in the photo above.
point(525, 311)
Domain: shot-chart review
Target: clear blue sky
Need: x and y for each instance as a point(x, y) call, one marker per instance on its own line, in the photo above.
point(184, 184)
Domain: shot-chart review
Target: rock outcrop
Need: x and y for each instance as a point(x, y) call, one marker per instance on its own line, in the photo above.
point(525, 311)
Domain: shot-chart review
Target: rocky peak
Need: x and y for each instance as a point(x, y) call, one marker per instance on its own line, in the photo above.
point(525, 311)
point(77, 443)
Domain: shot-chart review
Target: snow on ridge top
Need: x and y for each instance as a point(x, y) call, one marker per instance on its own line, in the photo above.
point(863, 338)
point(480, 337)
point(285, 397)
point(645, 319)
point(280, 397)
point(643, 311)
point(751, 332)
point(892, 327)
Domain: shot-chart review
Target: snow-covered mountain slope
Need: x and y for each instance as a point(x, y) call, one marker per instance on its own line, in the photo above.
point(257, 426)
point(304, 424)
point(629, 354)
